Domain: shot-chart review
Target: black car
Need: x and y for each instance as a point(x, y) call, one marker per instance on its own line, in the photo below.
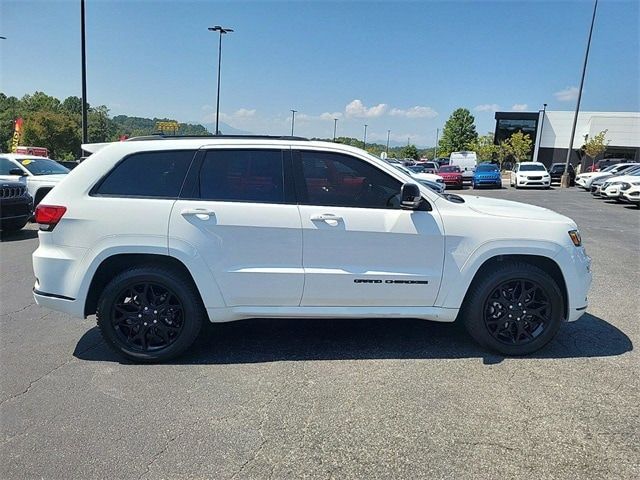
point(557, 169)
point(16, 206)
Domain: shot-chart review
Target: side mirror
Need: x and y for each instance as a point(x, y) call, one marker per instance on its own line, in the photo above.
point(18, 171)
point(410, 198)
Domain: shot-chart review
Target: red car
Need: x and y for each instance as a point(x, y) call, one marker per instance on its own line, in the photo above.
point(452, 175)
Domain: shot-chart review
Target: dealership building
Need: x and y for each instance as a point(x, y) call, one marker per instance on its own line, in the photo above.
point(552, 132)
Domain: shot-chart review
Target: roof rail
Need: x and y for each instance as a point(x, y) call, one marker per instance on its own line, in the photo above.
point(162, 136)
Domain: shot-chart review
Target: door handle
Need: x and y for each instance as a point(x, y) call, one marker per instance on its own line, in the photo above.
point(326, 217)
point(199, 212)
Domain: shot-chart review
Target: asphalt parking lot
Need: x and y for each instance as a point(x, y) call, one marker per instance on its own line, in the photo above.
point(332, 399)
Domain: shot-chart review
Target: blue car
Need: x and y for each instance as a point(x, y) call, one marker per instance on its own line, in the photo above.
point(487, 174)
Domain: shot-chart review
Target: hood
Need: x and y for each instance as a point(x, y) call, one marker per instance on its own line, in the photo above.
point(450, 174)
point(507, 208)
point(48, 178)
point(486, 174)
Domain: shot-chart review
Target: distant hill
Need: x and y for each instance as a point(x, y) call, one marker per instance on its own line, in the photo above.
point(137, 126)
point(226, 129)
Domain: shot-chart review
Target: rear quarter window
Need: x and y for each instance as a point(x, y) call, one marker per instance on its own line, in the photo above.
point(147, 174)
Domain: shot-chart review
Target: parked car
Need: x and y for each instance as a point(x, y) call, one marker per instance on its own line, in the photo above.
point(466, 161)
point(595, 183)
point(160, 236)
point(530, 174)
point(442, 161)
point(39, 174)
point(583, 179)
point(556, 170)
point(607, 162)
point(452, 175)
point(434, 182)
point(632, 196)
point(612, 170)
point(610, 187)
point(430, 167)
point(16, 206)
point(487, 175)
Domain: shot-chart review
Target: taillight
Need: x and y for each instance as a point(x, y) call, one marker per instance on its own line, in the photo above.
point(48, 216)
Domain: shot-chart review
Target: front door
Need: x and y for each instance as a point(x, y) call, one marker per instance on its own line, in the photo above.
point(360, 248)
point(243, 224)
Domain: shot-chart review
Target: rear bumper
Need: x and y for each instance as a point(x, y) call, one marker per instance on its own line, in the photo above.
point(67, 305)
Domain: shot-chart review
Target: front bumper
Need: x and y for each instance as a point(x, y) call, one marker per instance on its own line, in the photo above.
point(526, 182)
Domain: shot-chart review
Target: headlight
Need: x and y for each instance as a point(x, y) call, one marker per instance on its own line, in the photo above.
point(575, 237)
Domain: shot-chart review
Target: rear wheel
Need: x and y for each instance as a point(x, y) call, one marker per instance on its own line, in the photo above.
point(150, 313)
point(515, 310)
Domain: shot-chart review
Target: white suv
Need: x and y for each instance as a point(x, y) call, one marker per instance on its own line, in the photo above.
point(530, 174)
point(39, 174)
point(158, 236)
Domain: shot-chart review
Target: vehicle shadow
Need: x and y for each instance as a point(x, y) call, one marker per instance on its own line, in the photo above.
point(273, 340)
point(17, 236)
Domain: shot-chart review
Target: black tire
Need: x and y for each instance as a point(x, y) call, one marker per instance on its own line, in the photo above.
point(475, 312)
point(180, 317)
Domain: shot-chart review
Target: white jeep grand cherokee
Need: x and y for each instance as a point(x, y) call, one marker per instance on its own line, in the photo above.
point(159, 235)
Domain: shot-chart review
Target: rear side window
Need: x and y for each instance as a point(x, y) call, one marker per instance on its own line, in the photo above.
point(148, 174)
point(243, 176)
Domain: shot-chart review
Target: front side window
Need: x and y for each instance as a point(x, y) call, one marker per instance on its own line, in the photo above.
point(333, 179)
point(242, 176)
point(6, 166)
point(148, 174)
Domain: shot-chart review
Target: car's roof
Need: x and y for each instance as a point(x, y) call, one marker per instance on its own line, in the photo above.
point(532, 163)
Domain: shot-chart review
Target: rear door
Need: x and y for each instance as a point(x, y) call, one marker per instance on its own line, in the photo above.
point(360, 248)
point(239, 218)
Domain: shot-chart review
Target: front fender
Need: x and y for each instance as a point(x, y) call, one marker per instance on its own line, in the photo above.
point(462, 262)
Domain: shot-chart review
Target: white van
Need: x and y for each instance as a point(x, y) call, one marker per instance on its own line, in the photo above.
point(466, 161)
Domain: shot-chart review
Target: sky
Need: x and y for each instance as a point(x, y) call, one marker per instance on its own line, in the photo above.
point(399, 66)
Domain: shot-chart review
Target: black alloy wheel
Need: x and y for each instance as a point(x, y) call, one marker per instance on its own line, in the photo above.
point(150, 313)
point(517, 312)
point(513, 308)
point(147, 316)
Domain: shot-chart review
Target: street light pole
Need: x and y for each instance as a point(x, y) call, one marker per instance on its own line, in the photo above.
point(565, 180)
point(293, 120)
point(388, 135)
point(435, 150)
point(222, 31)
point(365, 137)
point(335, 126)
point(83, 53)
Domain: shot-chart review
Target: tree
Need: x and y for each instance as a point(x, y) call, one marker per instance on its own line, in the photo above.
point(56, 131)
point(519, 146)
point(410, 151)
point(596, 146)
point(72, 105)
point(484, 147)
point(459, 132)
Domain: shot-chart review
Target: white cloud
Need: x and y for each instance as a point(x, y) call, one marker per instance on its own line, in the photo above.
point(567, 95)
point(487, 107)
point(330, 116)
point(244, 113)
point(357, 109)
point(207, 107)
point(414, 112)
point(519, 107)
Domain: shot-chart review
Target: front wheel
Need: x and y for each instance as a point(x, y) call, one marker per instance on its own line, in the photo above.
point(515, 310)
point(150, 313)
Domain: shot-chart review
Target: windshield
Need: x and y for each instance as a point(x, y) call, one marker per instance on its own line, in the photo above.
point(43, 166)
point(487, 168)
point(450, 169)
point(532, 168)
point(416, 168)
point(610, 167)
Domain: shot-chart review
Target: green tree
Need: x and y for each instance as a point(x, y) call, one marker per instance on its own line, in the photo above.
point(56, 131)
point(484, 147)
point(39, 102)
point(519, 146)
point(72, 105)
point(596, 145)
point(410, 151)
point(459, 132)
